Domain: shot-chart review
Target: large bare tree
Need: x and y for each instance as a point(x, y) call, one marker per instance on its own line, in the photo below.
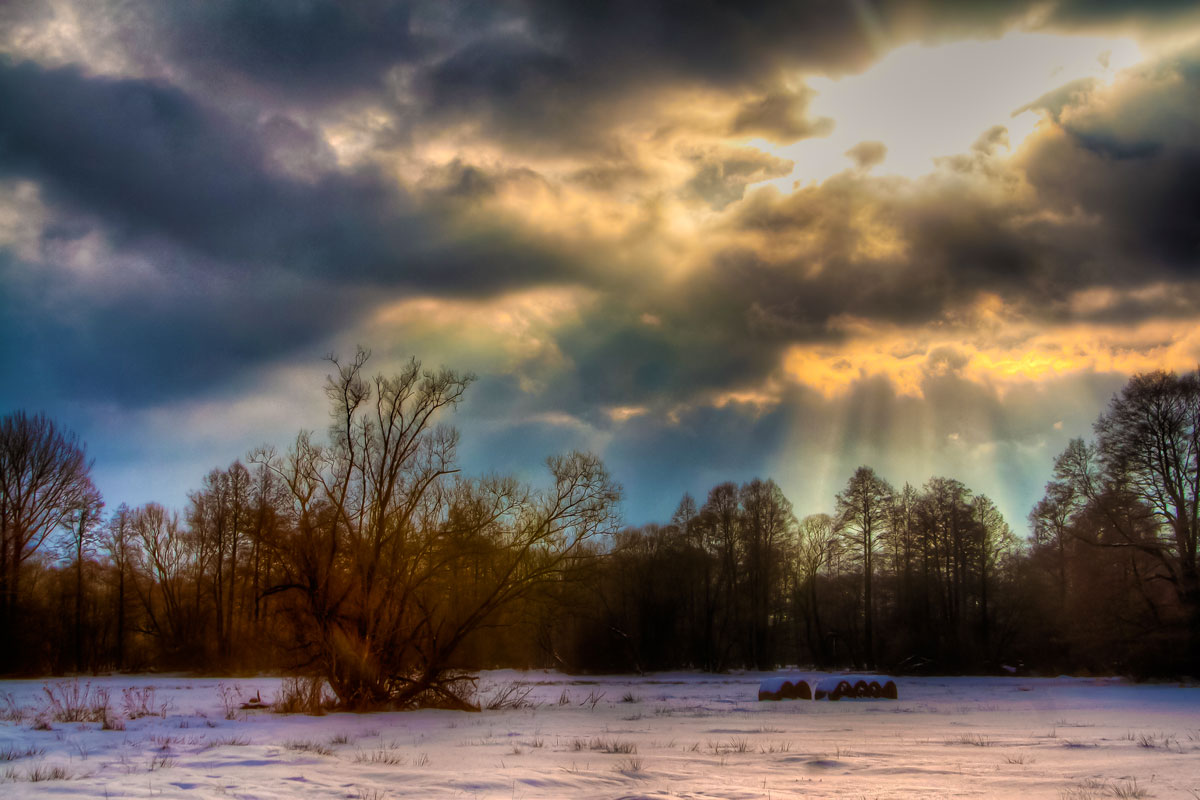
point(396, 559)
point(45, 477)
point(1142, 477)
point(863, 513)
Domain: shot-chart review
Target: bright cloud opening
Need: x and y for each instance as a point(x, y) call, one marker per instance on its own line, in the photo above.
point(923, 102)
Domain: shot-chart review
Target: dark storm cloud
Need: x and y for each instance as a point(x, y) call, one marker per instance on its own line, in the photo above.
point(211, 167)
point(1106, 12)
point(256, 261)
point(150, 160)
point(155, 342)
point(1133, 160)
point(155, 164)
point(322, 50)
point(696, 344)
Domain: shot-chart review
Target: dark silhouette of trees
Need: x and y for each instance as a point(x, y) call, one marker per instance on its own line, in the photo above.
point(82, 524)
point(220, 516)
point(44, 479)
point(117, 543)
point(817, 543)
point(369, 560)
point(1135, 491)
point(863, 514)
point(768, 531)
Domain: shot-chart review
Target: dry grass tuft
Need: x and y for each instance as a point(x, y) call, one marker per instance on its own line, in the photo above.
point(307, 746)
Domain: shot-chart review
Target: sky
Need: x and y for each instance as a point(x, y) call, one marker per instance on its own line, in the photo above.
point(706, 240)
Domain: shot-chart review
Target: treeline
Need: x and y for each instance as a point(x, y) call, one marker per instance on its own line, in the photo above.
point(369, 560)
point(918, 579)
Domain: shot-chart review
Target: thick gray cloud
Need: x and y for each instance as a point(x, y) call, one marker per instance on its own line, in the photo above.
point(209, 158)
point(256, 262)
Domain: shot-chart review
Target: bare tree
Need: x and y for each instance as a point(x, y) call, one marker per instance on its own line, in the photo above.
point(170, 562)
point(816, 543)
point(768, 531)
point(220, 516)
point(117, 543)
point(995, 544)
point(44, 478)
point(396, 560)
point(1147, 458)
point(864, 511)
point(82, 524)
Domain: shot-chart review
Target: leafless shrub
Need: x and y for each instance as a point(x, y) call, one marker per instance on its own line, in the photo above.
point(1019, 758)
point(302, 695)
point(72, 701)
point(630, 697)
point(508, 696)
point(231, 699)
point(564, 698)
point(9, 710)
point(139, 702)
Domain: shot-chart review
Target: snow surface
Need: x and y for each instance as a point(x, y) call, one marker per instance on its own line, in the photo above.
point(674, 735)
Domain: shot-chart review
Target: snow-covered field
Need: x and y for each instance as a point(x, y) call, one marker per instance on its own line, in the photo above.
point(664, 736)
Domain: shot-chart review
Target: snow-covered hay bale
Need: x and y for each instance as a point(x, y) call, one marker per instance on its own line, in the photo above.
point(784, 689)
point(833, 689)
point(853, 686)
point(771, 688)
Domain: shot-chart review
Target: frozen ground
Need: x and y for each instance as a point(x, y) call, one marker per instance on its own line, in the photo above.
point(663, 736)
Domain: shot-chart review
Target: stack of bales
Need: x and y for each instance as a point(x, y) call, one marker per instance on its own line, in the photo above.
point(828, 688)
point(784, 689)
